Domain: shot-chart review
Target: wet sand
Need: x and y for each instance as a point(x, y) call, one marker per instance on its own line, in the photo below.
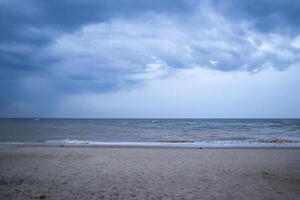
point(148, 173)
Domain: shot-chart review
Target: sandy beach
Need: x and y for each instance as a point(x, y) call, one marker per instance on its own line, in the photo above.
point(148, 173)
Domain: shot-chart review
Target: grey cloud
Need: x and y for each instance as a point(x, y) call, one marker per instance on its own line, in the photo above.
point(77, 46)
point(68, 15)
point(264, 15)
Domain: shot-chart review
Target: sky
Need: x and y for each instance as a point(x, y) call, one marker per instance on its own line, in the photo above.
point(164, 59)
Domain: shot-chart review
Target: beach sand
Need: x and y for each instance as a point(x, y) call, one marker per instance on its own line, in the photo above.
point(148, 173)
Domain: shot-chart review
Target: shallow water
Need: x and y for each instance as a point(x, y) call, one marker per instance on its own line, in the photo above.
point(186, 132)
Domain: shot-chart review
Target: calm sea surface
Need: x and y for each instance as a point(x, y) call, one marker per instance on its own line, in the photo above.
point(185, 132)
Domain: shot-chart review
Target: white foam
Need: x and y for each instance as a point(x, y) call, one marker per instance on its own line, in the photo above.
point(208, 144)
point(204, 144)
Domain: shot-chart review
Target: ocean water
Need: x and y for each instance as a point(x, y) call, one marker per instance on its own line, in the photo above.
point(152, 132)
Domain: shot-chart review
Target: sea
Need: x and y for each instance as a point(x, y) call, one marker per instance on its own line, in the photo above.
point(193, 133)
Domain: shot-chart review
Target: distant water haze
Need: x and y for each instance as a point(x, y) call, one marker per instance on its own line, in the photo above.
point(186, 132)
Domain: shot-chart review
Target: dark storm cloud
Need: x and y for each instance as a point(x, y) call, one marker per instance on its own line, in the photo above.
point(265, 15)
point(68, 15)
point(49, 49)
point(37, 23)
point(34, 24)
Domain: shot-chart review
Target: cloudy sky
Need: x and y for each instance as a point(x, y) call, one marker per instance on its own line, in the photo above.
point(135, 58)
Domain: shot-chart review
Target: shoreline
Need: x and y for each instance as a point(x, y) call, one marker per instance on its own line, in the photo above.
point(188, 145)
